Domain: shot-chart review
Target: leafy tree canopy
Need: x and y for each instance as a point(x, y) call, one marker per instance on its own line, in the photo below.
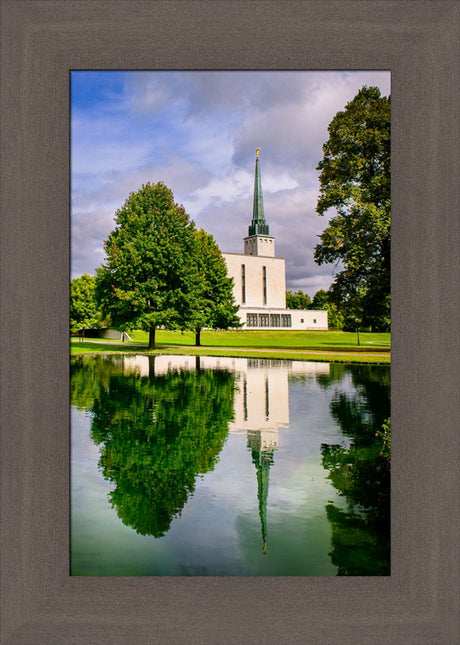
point(84, 311)
point(355, 181)
point(216, 306)
point(320, 300)
point(297, 300)
point(150, 278)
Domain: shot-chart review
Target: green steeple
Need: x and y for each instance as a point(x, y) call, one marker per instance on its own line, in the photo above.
point(258, 225)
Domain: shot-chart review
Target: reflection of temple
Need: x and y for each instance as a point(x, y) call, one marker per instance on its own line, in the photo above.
point(261, 405)
point(261, 409)
point(262, 399)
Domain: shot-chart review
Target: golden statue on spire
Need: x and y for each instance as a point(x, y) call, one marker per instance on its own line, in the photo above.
point(257, 151)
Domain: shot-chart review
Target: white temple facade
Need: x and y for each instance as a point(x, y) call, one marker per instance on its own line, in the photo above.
point(259, 278)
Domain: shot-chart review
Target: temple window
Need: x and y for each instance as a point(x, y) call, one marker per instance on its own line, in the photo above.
point(264, 269)
point(286, 320)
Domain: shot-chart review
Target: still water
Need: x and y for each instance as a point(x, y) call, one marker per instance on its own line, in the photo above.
point(225, 466)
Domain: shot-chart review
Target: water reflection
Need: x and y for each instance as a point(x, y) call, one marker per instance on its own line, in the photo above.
point(262, 458)
point(361, 532)
point(261, 410)
point(159, 430)
point(162, 423)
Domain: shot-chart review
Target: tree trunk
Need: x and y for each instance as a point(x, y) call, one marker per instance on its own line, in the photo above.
point(357, 332)
point(198, 337)
point(152, 338)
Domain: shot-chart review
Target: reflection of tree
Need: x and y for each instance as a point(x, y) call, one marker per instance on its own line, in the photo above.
point(335, 375)
point(336, 372)
point(159, 433)
point(88, 376)
point(361, 533)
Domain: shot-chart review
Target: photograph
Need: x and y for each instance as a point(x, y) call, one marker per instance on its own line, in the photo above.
point(230, 327)
point(228, 414)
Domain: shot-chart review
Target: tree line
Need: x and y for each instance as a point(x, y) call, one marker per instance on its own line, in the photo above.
point(321, 301)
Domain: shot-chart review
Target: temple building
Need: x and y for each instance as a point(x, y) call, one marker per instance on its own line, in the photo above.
point(259, 277)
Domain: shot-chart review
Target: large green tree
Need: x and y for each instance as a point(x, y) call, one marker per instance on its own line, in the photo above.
point(216, 307)
point(355, 180)
point(84, 311)
point(150, 278)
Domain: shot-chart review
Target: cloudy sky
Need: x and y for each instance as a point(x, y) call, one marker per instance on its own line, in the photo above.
point(198, 133)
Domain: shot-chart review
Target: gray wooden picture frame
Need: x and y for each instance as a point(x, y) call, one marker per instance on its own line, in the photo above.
point(41, 41)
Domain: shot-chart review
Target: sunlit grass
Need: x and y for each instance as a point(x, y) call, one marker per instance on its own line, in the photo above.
point(290, 345)
point(272, 339)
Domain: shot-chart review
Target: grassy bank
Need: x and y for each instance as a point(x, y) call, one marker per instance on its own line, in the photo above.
point(276, 339)
point(330, 346)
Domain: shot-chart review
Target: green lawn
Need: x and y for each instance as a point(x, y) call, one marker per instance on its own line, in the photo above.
point(291, 345)
point(332, 340)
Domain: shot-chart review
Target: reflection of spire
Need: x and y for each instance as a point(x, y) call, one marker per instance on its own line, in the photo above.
point(262, 458)
point(267, 400)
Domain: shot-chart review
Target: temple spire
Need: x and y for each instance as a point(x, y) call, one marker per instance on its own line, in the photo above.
point(258, 225)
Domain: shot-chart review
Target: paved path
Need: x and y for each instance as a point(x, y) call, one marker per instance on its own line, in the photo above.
point(320, 352)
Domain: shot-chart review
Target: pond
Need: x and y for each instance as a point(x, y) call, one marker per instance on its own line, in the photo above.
point(205, 466)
